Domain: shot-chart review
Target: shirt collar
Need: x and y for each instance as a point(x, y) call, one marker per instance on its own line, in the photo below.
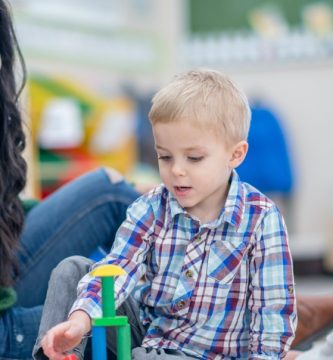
point(234, 205)
point(174, 207)
point(232, 211)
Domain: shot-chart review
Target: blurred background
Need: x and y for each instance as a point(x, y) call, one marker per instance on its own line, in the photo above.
point(94, 65)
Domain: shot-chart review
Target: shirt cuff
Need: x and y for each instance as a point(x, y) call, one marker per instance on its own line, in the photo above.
point(87, 305)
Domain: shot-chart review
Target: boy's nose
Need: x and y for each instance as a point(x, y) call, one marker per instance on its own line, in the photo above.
point(178, 170)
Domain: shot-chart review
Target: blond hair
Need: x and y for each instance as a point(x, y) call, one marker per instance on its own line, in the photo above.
point(207, 98)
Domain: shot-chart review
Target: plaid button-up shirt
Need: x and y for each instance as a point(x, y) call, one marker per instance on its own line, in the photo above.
point(220, 290)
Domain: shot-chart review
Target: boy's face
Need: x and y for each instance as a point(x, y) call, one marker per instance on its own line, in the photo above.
point(195, 166)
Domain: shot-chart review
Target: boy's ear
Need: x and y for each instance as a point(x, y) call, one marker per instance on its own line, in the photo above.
point(238, 154)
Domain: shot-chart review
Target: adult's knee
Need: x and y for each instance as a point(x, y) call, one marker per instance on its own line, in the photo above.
point(114, 175)
point(72, 268)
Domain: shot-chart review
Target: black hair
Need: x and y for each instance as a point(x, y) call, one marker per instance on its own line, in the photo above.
point(12, 143)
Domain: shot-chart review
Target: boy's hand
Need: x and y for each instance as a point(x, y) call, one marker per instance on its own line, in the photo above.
point(65, 336)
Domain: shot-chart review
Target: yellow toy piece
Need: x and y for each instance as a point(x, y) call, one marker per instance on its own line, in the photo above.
point(108, 270)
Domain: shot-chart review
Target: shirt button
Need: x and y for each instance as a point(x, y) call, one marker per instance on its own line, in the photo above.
point(181, 304)
point(19, 338)
point(290, 289)
point(197, 238)
point(189, 274)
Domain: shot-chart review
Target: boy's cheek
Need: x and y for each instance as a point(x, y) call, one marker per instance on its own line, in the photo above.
point(163, 175)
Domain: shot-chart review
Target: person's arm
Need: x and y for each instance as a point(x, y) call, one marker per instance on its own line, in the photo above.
point(272, 298)
point(129, 252)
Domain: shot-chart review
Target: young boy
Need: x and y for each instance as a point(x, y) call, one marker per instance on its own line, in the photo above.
point(212, 251)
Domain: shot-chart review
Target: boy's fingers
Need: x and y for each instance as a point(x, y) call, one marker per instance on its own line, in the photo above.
point(72, 333)
point(52, 339)
point(48, 347)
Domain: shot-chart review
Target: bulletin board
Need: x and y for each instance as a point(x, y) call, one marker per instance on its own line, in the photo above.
point(228, 15)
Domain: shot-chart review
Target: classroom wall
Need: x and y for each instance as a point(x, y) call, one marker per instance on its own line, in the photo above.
point(303, 96)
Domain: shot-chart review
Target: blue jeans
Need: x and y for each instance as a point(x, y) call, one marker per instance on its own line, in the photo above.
point(75, 220)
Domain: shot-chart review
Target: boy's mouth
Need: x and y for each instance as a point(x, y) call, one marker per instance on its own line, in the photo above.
point(182, 189)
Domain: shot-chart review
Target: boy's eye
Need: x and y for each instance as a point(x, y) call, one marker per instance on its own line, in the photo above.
point(195, 158)
point(164, 157)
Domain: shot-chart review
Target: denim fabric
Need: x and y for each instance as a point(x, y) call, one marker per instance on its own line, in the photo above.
point(75, 220)
point(18, 329)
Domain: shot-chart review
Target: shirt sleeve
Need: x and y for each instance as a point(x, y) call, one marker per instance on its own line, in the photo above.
point(272, 296)
point(128, 251)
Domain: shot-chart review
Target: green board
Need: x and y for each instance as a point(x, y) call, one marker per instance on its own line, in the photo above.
point(229, 15)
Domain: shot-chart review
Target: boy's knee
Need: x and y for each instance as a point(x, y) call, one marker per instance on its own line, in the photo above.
point(73, 267)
